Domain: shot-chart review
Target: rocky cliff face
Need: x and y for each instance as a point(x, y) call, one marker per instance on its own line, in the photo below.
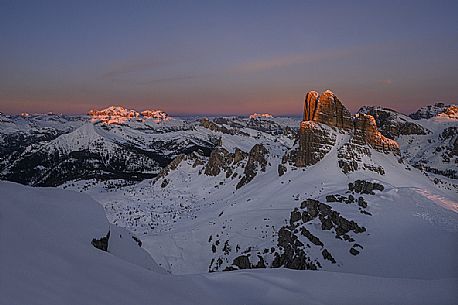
point(256, 159)
point(429, 111)
point(314, 140)
point(393, 124)
point(327, 109)
point(366, 132)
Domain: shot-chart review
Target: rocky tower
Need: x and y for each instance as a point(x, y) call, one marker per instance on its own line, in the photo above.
point(315, 140)
point(327, 109)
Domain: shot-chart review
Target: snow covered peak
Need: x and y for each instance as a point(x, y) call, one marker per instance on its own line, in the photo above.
point(155, 114)
point(120, 115)
point(255, 116)
point(450, 112)
point(430, 111)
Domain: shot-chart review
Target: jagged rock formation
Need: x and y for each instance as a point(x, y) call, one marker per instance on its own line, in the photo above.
point(256, 159)
point(314, 140)
point(391, 123)
point(223, 161)
point(366, 132)
point(430, 111)
point(295, 240)
point(451, 112)
point(326, 109)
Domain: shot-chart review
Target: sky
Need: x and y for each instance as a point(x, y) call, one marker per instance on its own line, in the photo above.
point(225, 57)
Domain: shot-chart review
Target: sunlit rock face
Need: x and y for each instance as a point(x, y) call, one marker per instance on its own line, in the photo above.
point(120, 115)
point(326, 108)
point(113, 115)
point(324, 116)
point(154, 114)
point(255, 116)
point(366, 132)
point(450, 112)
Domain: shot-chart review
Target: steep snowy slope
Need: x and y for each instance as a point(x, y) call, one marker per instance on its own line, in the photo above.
point(46, 257)
point(17, 132)
point(132, 151)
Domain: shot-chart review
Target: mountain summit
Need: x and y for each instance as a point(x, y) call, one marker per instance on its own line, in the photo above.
point(120, 115)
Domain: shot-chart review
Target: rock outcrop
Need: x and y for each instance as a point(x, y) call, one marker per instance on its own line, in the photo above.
point(429, 111)
point(314, 143)
point(392, 124)
point(327, 109)
point(324, 116)
point(256, 160)
point(366, 132)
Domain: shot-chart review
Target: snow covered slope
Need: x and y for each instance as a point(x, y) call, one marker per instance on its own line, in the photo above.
point(46, 257)
point(428, 139)
point(332, 198)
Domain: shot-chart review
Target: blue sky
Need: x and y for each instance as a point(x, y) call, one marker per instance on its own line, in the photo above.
point(225, 57)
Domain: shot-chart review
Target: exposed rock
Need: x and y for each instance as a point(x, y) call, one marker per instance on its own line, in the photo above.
point(315, 240)
point(164, 183)
point(239, 155)
point(391, 123)
point(256, 159)
point(327, 255)
point(329, 218)
point(172, 165)
point(313, 143)
point(281, 169)
point(137, 240)
point(450, 135)
point(451, 112)
point(243, 262)
point(366, 132)
point(293, 256)
point(362, 203)
point(256, 116)
point(340, 198)
point(215, 127)
point(295, 216)
point(326, 109)
point(365, 187)
point(218, 160)
point(120, 115)
point(315, 139)
point(429, 111)
point(261, 263)
point(353, 251)
point(101, 243)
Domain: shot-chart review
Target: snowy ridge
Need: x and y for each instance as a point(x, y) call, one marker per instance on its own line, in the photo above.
point(121, 115)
